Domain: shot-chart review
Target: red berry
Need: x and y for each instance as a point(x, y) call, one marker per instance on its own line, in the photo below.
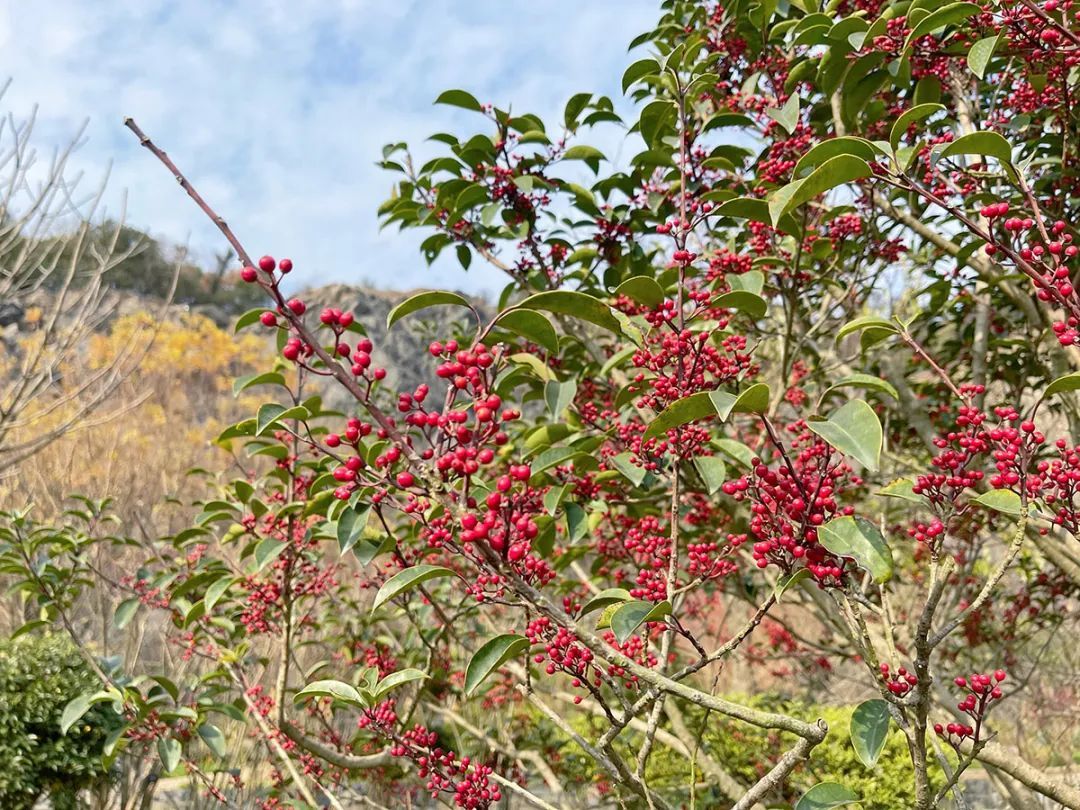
point(249, 274)
point(267, 264)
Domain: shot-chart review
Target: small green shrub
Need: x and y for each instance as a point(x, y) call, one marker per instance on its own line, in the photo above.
point(38, 676)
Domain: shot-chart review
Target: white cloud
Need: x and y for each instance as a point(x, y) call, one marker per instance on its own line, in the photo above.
point(277, 109)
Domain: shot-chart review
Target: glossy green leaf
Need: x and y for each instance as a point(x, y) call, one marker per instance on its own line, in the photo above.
point(1001, 500)
point(125, 611)
point(825, 796)
point(627, 618)
point(1070, 382)
point(754, 399)
point(74, 711)
point(251, 380)
point(789, 581)
point(576, 305)
point(867, 381)
point(903, 489)
point(833, 147)
point(406, 580)
point(638, 71)
point(854, 430)
point(351, 523)
point(329, 688)
point(712, 470)
point(869, 730)
point(215, 591)
point(861, 541)
point(981, 53)
point(532, 326)
point(495, 652)
point(459, 98)
point(214, 739)
point(268, 549)
point(642, 289)
point(909, 117)
point(559, 396)
point(169, 752)
point(682, 411)
point(989, 144)
point(834, 172)
point(396, 679)
point(609, 596)
point(948, 15)
point(633, 472)
point(786, 116)
point(583, 152)
point(432, 298)
point(743, 300)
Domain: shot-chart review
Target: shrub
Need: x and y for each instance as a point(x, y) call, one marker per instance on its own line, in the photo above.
point(39, 675)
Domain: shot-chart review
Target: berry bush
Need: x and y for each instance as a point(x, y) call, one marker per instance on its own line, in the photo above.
point(786, 400)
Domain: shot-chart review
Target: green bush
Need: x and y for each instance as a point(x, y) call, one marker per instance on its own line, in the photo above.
point(38, 676)
point(748, 753)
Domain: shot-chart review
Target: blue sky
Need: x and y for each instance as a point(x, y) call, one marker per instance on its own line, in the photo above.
point(277, 110)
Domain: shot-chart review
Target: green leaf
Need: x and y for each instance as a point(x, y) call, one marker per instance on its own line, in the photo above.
point(642, 289)
point(268, 550)
point(981, 53)
point(712, 470)
point(606, 597)
point(432, 298)
point(74, 711)
point(627, 618)
point(833, 147)
point(872, 329)
point(215, 591)
point(903, 489)
point(459, 98)
point(1001, 500)
point(396, 679)
point(949, 15)
point(743, 300)
point(406, 580)
point(268, 415)
point(534, 364)
point(861, 541)
point(826, 795)
point(125, 611)
point(639, 70)
point(754, 399)
point(495, 652)
point(989, 144)
point(335, 689)
point(635, 474)
point(249, 317)
point(736, 451)
point(169, 751)
point(909, 117)
point(789, 581)
point(680, 412)
point(869, 729)
point(583, 152)
point(214, 739)
point(786, 116)
point(350, 526)
point(854, 430)
point(1070, 382)
point(558, 396)
point(867, 381)
point(576, 305)
point(832, 173)
point(251, 380)
point(532, 326)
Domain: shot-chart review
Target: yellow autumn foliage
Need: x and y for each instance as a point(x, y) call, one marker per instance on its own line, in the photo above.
point(158, 425)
